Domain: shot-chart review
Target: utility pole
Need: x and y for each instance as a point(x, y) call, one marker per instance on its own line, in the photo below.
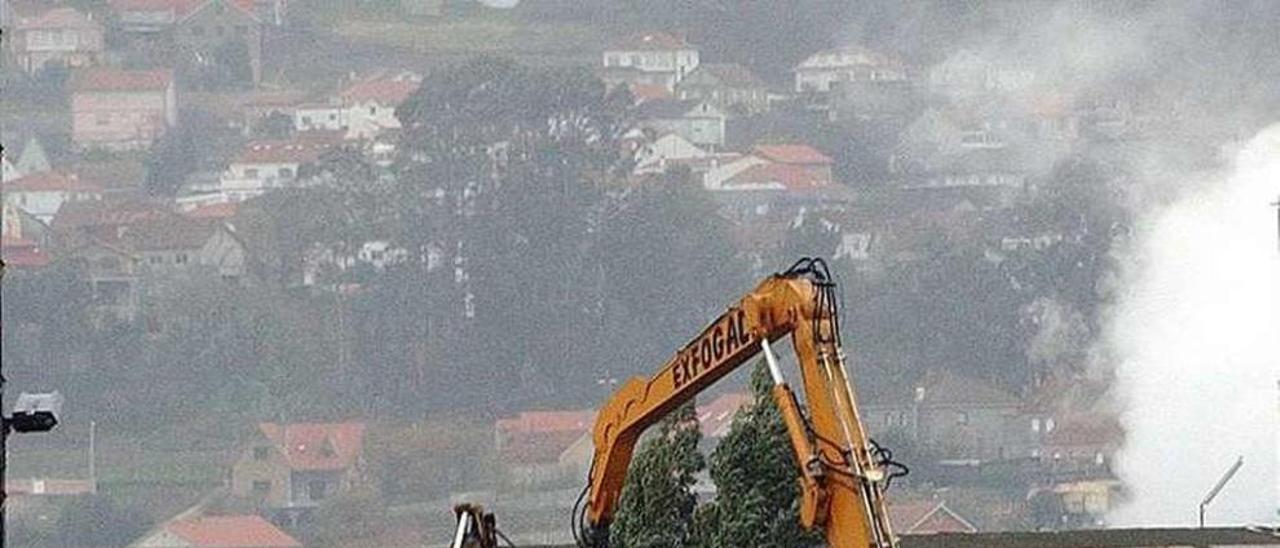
point(1276, 204)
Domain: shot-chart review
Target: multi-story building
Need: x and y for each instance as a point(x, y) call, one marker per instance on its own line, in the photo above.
point(731, 87)
point(825, 69)
point(262, 166)
point(289, 469)
point(654, 58)
point(120, 109)
point(40, 34)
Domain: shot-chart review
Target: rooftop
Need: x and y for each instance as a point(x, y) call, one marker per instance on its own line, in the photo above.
point(50, 181)
point(231, 532)
point(302, 149)
point(387, 90)
point(792, 153)
point(650, 41)
point(666, 109)
point(110, 79)
point(42, 16)
point(170, 233)
point(731, 74)
point(775, 176)
point(317, 446)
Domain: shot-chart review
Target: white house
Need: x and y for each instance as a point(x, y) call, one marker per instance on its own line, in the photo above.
point(329, 116)
point(654, 58)
point(370, 104)
point(655, 156)
point(823, 69)
point(42, 194)
point(698, 122)
point(265, 165)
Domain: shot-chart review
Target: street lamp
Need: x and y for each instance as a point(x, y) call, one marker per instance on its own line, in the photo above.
point(1231, 472)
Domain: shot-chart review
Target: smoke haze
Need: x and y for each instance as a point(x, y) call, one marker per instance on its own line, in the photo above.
point(1196, 334)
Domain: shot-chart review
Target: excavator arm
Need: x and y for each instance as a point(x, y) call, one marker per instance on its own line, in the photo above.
point(842, 478)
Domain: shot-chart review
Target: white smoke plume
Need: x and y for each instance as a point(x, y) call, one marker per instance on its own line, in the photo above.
point(1196, 332)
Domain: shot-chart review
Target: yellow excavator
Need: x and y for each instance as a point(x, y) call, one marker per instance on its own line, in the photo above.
point(843, 475)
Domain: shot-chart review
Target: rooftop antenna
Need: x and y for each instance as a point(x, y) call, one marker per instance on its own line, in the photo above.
point(1231, 472)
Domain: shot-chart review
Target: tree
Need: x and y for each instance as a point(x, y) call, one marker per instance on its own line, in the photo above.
point(754, 469)
point(357, 513)
point(669, 265)
point(657, 506)
point(98, 520)
point(497, 173)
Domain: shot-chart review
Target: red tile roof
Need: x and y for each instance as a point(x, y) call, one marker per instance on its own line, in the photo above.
point(179, 8)
point(925, 517)
point(541, 436)
point(97, 214)
point(231, 532)
point(650, 41)
point(22, 253)
point(386, 91)
point(50, 181)
point(775, 176)
point(791, 154)
point(548, 421)
point(1087, 431)
point(317, 446)
point(649, 92)
point(109, 79)
point(56, 18)
point(173, 233)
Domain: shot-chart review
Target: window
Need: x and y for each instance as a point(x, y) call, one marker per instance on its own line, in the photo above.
point(332, 117)
point(635, 60)
point(316, 489)
point(155, 259)
point(251, 173)
point(1048, 425)
point(260, 453)
point(611, 60)
point(180, 258)
point(962, 418)
point(1035, 425)
point(285, 173)
point(261, 487)
point(306, 120)
point(373, 111)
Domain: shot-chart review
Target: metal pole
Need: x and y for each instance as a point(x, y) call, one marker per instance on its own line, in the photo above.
point(1231, 472)
point(1276, 204)
point(4, 442)
point(93, 465)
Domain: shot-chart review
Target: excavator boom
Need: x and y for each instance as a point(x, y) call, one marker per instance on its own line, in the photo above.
point(842, 478)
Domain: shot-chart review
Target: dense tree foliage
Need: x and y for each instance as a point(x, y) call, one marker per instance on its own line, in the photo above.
point(754, 469)
point(658, 503)
point(99, 520)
